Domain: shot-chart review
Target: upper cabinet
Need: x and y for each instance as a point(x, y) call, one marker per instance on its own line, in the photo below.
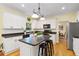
point(13, 21)
point(52, 22)
point(38, 24)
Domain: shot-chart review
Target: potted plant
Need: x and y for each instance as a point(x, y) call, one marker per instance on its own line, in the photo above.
point(29, 19)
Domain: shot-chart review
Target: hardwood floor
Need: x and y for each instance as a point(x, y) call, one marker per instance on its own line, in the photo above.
point(1, 53)
point(16, 53)
point(60, 49)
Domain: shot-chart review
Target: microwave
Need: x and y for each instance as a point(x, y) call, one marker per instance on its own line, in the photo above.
point(46, 26)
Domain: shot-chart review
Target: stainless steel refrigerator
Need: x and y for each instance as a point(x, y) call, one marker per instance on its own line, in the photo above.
point(72, 30)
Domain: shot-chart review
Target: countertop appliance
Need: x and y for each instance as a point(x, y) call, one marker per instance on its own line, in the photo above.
point(47, 26)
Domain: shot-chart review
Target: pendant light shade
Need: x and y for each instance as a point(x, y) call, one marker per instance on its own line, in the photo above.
point(42, 18)
point(35, 16)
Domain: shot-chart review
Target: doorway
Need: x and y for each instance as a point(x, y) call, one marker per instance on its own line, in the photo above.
point(62, 31)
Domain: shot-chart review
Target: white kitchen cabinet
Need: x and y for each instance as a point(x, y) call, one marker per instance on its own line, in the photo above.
point(24, 49)
point(38, 24)
point(28, 50)
point(13, 21)
point(52, 22)
point(10, 44)
point(76, 46)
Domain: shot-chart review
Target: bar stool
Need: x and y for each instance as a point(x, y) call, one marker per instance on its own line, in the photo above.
point(47, 48)
point(42, 49)
point(50, 47)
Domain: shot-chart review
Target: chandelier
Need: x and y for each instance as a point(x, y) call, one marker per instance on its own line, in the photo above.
point(37, 14)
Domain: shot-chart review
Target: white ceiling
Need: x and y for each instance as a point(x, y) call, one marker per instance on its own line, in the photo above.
point(47, 9)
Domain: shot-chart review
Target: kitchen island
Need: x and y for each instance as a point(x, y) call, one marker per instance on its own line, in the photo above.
point(29, 47)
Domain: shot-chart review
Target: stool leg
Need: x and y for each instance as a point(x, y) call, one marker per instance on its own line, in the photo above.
point(50, 49)
point(42, 52)
point(45, 51)
point(39, 52)
point(53, 48)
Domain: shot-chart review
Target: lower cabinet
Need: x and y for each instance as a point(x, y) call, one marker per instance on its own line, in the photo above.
point(28, 50)
point(76, 46)
point(10, 44)
point(24, 49)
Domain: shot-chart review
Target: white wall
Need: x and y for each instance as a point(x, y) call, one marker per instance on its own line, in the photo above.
point(77, 19)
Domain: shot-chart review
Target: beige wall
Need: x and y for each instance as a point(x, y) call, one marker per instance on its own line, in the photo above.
point(1, 23)
point(65, 17)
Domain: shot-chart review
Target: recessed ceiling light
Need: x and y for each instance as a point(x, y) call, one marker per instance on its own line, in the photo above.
point(63, 8)
point(22, 5)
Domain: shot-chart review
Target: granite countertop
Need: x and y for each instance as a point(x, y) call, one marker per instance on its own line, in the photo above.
point(12, 34)
point(76, 36)
point(33, 42)
point(7, 35)
point(53, 32)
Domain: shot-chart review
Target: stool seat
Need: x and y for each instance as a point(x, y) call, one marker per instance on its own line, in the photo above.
point(43, 45)
point(50, 41)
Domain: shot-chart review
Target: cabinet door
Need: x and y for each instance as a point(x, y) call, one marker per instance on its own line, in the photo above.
point(13, 21)
point(24, 49)
point(76, 46)
point(16, 40)
point(34, 50)
point(9, 44)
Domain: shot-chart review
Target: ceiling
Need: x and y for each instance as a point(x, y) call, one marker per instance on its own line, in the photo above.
point(47, 9)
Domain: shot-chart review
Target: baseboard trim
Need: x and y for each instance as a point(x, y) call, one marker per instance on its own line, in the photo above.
point(70, 49)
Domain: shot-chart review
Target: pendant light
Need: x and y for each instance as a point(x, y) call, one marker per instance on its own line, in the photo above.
point(38, 13)
point(42, 18)
point(35, 15)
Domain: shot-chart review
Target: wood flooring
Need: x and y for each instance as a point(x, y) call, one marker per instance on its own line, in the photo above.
point(60, 49)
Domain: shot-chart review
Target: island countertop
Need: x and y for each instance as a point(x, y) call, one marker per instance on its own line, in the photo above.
point(34, 42)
